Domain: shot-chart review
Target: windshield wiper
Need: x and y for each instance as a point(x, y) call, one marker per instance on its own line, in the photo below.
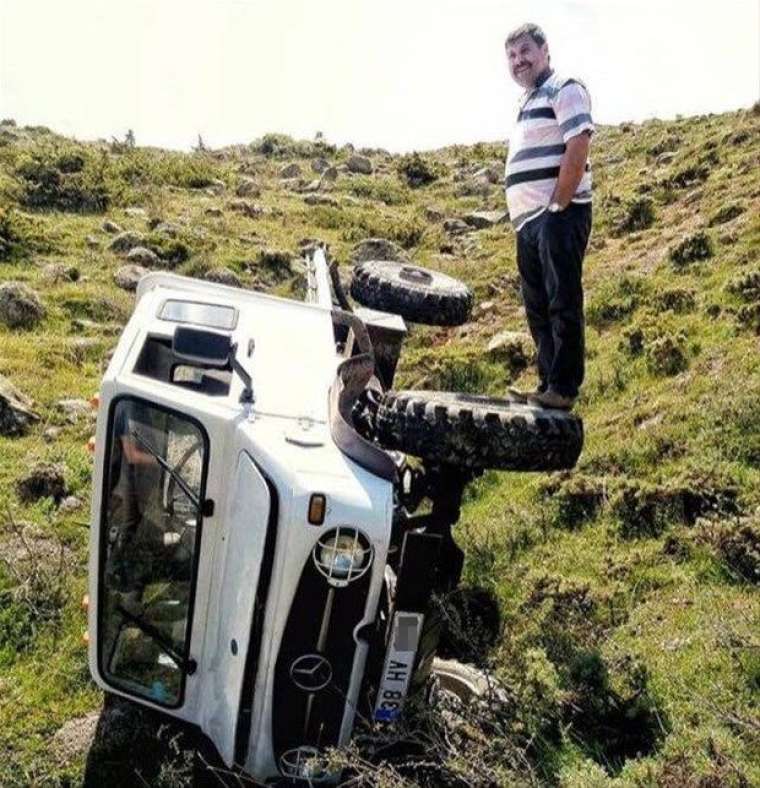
point(187, 666)
point(194, 499)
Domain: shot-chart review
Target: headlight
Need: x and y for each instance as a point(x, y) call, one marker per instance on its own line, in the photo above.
point(343, 555)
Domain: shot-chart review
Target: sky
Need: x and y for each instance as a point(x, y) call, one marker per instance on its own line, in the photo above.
point(397, 74)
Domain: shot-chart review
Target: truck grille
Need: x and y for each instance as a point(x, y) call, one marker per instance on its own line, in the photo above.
point(316, 657)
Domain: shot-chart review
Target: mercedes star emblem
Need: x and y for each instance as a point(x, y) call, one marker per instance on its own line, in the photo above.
point(311, 672)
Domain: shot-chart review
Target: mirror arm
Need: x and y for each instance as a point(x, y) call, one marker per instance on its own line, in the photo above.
point(246, 396)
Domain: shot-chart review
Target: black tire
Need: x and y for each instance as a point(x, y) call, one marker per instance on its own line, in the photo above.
point(478, 432)
point(417, 294)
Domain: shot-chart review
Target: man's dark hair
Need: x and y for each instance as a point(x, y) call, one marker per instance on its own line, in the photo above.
point(528, 29)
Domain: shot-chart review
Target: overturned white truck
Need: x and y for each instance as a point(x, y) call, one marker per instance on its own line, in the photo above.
point(257, 568)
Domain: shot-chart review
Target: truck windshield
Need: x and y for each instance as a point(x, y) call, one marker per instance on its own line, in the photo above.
point(150, 539)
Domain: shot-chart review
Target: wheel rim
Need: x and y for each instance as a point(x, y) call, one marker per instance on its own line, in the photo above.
point(415, 275)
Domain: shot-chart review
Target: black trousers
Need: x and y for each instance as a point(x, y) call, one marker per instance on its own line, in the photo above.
point(550, 251)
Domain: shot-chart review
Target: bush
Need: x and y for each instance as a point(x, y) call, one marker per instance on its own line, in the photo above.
point(575, 499)
point(280, 146)
point(419, 171)
point(65, 179)
point(746, 285)
point(690, 249)
point(638, 214)
point(666, 355)
point(676, 299)
point(17, 236)
point(726, 214)
point(381, 189)
point(614, 300)
point(644, 509)
point(688, 176)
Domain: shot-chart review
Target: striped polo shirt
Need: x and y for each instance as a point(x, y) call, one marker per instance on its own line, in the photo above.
point(552, 112)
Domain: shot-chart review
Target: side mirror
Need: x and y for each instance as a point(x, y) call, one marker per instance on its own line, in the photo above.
point(202, 347)
point(209, 349)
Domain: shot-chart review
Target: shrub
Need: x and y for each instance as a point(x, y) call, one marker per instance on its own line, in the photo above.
point(419, 171)
point(726, 214)
point(279, 146)
point(633, 340)
point(638, 214)
point(666, 144)
point(644, 509)
point(381, 189)
point(688, 176)
point(575, 499)
point(614, 300)
point(17, 236)
point(666, 355)
point(746, 285)
point(691, 248)
point(65, 179)
point(676, 299)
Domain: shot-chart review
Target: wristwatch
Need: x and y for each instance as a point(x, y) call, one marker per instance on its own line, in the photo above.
point(555, 207)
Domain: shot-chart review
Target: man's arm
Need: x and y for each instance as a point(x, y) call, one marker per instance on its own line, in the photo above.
point(571, 168)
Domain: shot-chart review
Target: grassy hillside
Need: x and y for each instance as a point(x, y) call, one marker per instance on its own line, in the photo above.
point(628, 588)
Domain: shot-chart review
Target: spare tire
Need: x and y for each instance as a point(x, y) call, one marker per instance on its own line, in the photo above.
point(478, 432)
point(417, 294)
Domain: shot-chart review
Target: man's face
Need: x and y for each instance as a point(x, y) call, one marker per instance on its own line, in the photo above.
point(527, 60)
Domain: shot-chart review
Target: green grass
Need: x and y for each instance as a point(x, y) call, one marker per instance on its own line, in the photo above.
point(624, 607)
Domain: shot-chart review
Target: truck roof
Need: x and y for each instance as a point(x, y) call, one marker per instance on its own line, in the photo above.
point(293, 360)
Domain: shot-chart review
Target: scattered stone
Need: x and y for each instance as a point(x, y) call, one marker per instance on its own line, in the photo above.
point(493, 174)
point(320, 165)
point(166, 228)
point(480, 220)
point(512, 347)
point(456, 226)
point(217, 186)
point(16, 414)
point(141, 255)
point(321, 199)
point(359, 164)
point(110, 227)
point(81, 347)
point(52, 434)
point(290, 171)
point(125, 241)
point(70, 504)
point(484, 308)
point(433, 214)
point(128, 276)
point(58, 272)
point(246, 208)
point(44, 480)
point(474, 187)
point(223, 276)
point(312, 186)
point(378, 249)
point(247, 187)
point(330, 174)
point(665, 158)
point(136, 213)
point(214, 210)
point(92, 242)
point(75, 737)
point(82, 324)
point(20, 306)
point(73, 409)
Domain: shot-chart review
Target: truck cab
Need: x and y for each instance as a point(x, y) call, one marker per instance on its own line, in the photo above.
point(237, 552)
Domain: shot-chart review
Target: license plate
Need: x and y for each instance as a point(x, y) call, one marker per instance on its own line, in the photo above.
point(399, 663)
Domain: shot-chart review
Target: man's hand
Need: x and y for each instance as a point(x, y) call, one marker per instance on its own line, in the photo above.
point(571, 168)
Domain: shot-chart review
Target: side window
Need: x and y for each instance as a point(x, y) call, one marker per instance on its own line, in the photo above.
point(149, 549)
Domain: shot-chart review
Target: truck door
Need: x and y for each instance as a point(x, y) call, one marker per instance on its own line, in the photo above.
point(152, 507)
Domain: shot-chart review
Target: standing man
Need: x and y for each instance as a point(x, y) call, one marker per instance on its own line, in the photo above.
point(548, 183)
